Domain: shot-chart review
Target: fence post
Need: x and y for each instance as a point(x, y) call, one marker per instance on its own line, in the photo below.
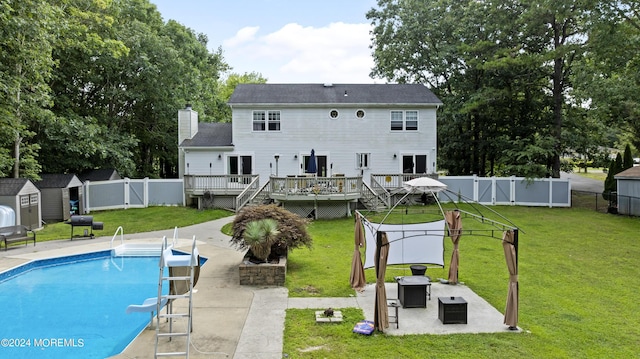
point(145, 185)
point(550, 180)
point(475, 188)
point(87, 204)
point(126, 197)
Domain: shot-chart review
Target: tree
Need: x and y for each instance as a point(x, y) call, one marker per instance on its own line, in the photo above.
point(122, 74)
point(609, 78)
point(27, 31)
point(627, 158)
point(225, 90)
point(502, 70)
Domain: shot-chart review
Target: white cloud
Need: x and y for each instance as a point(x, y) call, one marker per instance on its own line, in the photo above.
point(243, 35)
point(336, 53)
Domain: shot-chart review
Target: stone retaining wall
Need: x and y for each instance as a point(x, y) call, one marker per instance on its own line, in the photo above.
point(263, 274)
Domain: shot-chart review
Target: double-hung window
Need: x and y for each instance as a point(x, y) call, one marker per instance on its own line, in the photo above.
point(266, 120)
point(274, 120)
point(404, 120)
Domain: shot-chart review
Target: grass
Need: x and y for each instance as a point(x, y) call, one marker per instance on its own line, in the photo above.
point(135, 220)
point(594, 173)
point(578, 283)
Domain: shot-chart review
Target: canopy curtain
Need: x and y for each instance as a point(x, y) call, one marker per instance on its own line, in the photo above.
point(357, 278)
point(454, 223)
point(511, 310)
point(381, 310)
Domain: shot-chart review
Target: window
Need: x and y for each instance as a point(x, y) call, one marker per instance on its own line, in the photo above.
point(360, 114)
point(259, 123)
point(414, 163)
point(266, 120)
point(404, 120)
point(362, 160)
point(411, 120)
point(240, 167)
point(274, 120)
point(396, 121)
point(333, 114)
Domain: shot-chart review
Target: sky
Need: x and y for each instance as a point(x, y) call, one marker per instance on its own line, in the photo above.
point(287, 41)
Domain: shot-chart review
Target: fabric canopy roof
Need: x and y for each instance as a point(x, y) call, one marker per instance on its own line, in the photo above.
point(408, 243)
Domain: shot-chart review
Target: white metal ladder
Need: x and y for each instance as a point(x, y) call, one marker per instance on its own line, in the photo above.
point(170, 260)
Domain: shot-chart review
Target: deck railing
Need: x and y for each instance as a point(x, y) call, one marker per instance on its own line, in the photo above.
point(312, 185)
point(220, 184)
point(395, 181)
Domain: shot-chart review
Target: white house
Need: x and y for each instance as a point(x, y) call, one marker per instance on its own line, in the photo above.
point(357, 131)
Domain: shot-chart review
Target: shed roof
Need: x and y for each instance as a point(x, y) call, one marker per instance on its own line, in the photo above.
point(12, 186)
point(211, 135)
point(359, 94)
point(629, 173)
point(58, 180)
point(101, 174)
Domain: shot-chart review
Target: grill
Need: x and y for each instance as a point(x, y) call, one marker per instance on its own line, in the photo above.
point(84, 221)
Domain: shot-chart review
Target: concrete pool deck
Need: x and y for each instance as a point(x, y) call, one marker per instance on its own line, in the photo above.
point(247, 322)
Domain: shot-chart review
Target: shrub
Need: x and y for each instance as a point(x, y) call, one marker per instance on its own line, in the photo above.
point(292, 229)
point(260, 235)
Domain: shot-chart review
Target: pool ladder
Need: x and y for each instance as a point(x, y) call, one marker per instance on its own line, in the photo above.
point(181, 271)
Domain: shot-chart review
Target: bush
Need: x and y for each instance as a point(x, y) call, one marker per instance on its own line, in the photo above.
point(292, 229)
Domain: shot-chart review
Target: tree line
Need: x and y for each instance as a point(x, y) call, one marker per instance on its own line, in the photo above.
point(524, 83)
point(88, 84)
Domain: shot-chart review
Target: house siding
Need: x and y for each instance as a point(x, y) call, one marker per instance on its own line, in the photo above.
point(304, 128)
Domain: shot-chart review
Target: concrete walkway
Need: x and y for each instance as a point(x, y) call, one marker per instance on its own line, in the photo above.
point(229, 319)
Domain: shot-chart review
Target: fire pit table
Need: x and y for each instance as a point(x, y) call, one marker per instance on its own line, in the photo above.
point(413, 291)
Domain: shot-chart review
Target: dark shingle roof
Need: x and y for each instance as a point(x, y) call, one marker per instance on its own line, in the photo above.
point(11, 186)
point(102, 174)
point(210, 135)
point(54, 180)
point(333, 94)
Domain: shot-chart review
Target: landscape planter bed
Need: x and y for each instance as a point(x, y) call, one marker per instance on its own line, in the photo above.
point(272, 274)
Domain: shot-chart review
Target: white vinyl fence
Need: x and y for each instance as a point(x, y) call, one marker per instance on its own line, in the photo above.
point(132, 193)
point(517, 191)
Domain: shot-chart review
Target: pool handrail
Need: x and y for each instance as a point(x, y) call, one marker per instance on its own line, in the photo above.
point(175, 236)
point(115, 234)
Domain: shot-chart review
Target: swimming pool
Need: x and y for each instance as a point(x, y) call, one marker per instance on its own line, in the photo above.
point(74, 307)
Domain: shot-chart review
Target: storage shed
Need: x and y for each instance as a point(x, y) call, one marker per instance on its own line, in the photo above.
point(629, 191)
point(24, 197)
point(103, 174)
point(61, 196)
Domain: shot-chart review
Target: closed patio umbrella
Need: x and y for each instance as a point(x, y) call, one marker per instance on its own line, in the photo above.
point(357, 278)
point(381, 312)
point(511, 310)
point(312, 166)
point(455, 227)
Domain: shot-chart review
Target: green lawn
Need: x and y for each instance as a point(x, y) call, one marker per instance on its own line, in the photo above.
point(578, 284)
point(135, 220)
point(578, 291)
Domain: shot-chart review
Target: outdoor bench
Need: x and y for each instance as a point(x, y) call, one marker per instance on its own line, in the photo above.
point(12, 234)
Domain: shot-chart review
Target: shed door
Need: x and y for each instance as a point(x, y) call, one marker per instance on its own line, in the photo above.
point(29, 210)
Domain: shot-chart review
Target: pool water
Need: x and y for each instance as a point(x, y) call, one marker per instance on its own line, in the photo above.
point(74, 307)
